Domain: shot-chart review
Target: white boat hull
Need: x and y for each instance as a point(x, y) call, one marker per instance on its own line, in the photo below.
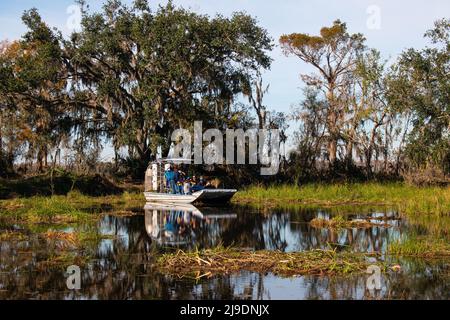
point(204, 196)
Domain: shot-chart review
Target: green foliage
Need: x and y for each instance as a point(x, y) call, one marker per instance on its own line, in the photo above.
point(419, 87)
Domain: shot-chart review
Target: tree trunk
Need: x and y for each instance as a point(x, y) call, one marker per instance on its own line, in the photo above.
point(369, 161)
point(40, 160)
point(332, 125)
point(45, 157)
point(332, 150)
point(143, 152)
point(370, 151)
point(349, 154)
point(333, 138)
point(1, 136)
point(261, 118)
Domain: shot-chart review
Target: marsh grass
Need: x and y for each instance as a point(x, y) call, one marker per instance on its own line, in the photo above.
point(73, 208)
point(339, 222)
point(121, 199)
point(60, 260)
point(12, 236)
point(407, 199)
point(420, 246)
point(55, 209)
point(221, 260)
point(437, 227)
point(74, 239)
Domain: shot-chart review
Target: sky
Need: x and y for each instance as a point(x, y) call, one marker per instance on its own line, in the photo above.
point(389, 26)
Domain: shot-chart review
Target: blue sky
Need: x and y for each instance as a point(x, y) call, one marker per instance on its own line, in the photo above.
point(402, 24)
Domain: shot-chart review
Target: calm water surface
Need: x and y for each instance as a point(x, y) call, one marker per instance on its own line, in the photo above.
point(121, 267)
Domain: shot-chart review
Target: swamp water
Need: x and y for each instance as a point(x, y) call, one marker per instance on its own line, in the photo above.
point(118, 263)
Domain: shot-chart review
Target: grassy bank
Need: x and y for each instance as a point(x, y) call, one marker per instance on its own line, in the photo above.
point(408, 199)
point(226, 260)
point(72, 208)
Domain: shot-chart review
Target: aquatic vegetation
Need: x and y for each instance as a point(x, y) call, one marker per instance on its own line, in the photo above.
point(12, 236)
point(338, 222)
point(228, 260)
point(65, 237)
point(63, 259)
point(425, 247)
point(122, 213)
point(68, 226)
point(409, 200)
point(75, 239)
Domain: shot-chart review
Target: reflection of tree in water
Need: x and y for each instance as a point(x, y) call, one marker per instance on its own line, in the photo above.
point(372, 239)
point(256, 231)
point(333, 287)
point(420, 280)
point(284, 230)
point(19, 275)
point(247, 285)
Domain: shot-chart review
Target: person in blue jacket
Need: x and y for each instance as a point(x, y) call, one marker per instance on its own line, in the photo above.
point(171, 179)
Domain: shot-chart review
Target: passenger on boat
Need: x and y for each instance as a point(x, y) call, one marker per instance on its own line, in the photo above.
point(181, 180)
point(187, 186)
point(197, 185)
point(171, 178)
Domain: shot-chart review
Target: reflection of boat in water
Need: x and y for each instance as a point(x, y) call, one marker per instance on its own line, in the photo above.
point(157, 190)
point(175, 224)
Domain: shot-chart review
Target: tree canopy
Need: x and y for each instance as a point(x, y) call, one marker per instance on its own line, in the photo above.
point(131, 75)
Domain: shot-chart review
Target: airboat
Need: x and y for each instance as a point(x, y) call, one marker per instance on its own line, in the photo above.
point(156, 189)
